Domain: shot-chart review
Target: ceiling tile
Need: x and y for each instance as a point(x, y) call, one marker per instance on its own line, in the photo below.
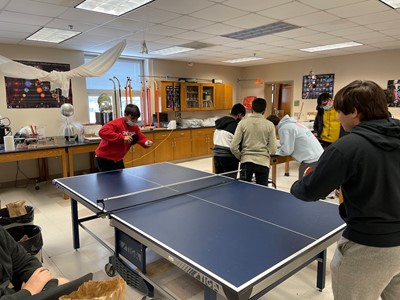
point(218, 13)
point(287, 11)
point(188, 23)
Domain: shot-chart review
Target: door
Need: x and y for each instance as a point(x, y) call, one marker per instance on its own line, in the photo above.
point(279, 96)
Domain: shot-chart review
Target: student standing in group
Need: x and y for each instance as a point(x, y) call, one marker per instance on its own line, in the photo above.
point(365, 163)
point(253, 143)
point(326, 125)
point(117, 136)
point(297, 140)
point(224, 160)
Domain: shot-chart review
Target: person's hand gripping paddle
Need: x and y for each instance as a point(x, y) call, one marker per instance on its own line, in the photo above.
point(135, 139)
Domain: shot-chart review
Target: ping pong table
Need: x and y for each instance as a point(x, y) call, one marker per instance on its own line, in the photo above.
point(237, 238)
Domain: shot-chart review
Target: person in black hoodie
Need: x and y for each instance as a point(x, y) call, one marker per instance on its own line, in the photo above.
point(366, 164)
point(224, 160)
point(24, 271)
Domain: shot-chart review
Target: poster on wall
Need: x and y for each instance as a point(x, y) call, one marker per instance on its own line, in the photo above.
point(34, 93)
point(394, 85)
point(313, 85)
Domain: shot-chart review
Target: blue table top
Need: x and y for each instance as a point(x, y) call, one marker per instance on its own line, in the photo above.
point(237, 232)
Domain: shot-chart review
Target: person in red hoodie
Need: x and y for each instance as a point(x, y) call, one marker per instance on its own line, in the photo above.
point(117, 136)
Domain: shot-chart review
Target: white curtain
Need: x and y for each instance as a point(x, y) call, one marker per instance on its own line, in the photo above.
point(95, 68)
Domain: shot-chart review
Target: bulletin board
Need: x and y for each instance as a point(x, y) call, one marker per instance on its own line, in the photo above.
point(394, 85)
point(317, 84)
point(34, 93)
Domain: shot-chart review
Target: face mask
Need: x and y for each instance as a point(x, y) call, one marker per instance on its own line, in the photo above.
point(130, 123)
point(327, 107)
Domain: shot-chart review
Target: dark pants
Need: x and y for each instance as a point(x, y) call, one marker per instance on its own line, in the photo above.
point(248, 169)
point(224, 164)
point(109, 165)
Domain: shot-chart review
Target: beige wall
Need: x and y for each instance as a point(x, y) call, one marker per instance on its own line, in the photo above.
point(180, 69)
point(376, 66)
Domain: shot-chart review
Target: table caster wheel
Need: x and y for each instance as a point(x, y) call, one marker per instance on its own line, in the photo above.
point(110, 271)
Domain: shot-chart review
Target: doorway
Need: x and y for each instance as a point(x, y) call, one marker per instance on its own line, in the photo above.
point(279, 96)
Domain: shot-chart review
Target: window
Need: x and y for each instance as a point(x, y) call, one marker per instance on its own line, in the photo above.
point(96, 86)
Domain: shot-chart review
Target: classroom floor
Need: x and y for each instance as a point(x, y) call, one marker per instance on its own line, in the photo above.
point(52, 214)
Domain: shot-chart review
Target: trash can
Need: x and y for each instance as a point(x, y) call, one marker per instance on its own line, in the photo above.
point(33, 243)
point(6, 221)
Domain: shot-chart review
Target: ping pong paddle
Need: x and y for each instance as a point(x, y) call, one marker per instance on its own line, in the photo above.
point(307, 171)
point(135, 139)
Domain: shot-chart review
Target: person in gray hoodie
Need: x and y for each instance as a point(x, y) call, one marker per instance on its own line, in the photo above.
point(366, 164)
point(224, 160)
point(297, 140)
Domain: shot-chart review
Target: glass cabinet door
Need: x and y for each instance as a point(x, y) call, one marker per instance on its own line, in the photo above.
point(191, 96)
point(208, 97)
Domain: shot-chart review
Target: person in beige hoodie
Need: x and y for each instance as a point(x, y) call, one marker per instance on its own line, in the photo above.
point(253, 144)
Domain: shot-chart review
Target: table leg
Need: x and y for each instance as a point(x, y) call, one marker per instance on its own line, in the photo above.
point(75, 224)
point(321, 270)
point(209, 294)
point(287, 168)
point(273, 169)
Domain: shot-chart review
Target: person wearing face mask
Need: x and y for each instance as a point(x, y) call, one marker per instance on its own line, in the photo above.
point(117, 136)
point(327, 127)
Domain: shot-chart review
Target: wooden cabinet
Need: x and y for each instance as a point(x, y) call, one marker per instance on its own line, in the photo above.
point(170, 95)
point(202, 141)
point(187, 96)
point(207, 96)
point(197, 96)
point(190, 97)
point(223, 96)
point(138, 155)
point(172, 145)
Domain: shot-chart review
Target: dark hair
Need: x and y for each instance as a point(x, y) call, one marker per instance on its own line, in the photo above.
point(133, 110)
point(323, 97)
point(366, 97)
point(237, 109)
point(389, 96)
point(259, 105)
point(274, 119)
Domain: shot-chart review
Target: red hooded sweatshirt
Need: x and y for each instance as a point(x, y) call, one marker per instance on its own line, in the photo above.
point(112, 145)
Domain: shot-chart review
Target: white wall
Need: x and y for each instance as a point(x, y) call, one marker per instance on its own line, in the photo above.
point(50, 118)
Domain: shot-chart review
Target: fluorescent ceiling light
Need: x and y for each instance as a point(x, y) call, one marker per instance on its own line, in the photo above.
point(261, 30)
point(112, 7)
point(392, 3)
point(172, 50)
point(52, 35)
point(330, 47)
point(239, 60)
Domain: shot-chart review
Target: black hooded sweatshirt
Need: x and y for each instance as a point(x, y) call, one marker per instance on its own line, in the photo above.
point(224, 130)
point(366, 163)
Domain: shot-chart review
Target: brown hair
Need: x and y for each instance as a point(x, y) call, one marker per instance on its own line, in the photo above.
point(274, 119)
point(365, 96)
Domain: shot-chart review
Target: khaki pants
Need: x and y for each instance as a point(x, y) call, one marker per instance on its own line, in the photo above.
point(365, 273)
